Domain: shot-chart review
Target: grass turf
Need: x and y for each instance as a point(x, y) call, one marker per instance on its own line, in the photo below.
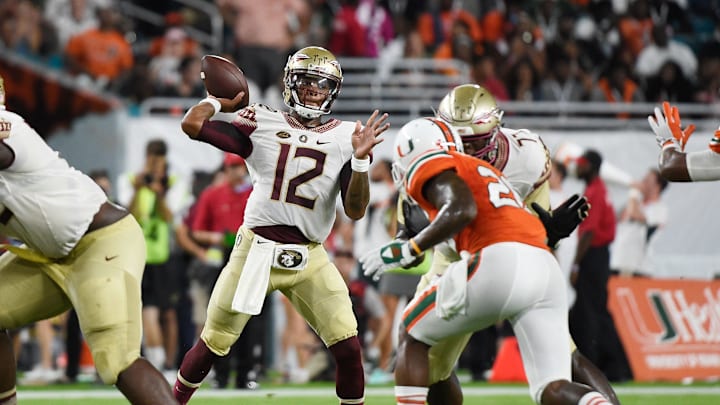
point(322, 394)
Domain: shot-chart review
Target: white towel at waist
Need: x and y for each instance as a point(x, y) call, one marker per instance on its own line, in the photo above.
point(252, 285)
point(451, 298)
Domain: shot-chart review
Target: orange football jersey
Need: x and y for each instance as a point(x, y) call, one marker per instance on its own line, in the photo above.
point(501, 217)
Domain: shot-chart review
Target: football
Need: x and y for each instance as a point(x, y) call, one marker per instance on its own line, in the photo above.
point(223, 79)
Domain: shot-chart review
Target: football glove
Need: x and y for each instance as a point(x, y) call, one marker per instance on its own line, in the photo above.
point(560, 222)
point(396, 253)
point(668, 129)
point(715, 142)
point(415, 218)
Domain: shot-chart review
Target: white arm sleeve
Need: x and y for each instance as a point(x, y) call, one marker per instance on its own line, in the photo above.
point(703, 165)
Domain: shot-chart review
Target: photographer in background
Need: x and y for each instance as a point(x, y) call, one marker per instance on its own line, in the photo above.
point(149, 204)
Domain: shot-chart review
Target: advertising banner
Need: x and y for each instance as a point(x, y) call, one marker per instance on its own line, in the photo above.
point(670, 328)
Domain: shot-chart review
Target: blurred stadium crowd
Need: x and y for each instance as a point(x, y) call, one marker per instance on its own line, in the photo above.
point(556, 50)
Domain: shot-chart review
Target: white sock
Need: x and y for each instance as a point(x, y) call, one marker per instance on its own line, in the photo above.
point(594, 398)
point(156, 356)
point(405, 395)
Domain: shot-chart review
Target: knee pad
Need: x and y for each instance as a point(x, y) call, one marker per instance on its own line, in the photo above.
point(218, 342)
point(110, 363)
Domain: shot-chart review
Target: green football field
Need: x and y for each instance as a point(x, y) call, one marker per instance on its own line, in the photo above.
point(491, 394)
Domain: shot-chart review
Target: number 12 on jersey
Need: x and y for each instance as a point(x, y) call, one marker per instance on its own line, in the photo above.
point(291, 196)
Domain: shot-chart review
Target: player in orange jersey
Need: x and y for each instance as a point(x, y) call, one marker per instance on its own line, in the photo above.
point(504, 270)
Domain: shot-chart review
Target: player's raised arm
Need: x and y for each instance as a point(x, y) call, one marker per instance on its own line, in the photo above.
point(674, 163)
point(364, 139)
point(196, 116)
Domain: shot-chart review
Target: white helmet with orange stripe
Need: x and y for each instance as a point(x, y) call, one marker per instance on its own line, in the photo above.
point(418, 138)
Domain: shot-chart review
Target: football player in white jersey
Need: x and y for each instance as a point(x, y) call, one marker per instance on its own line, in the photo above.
point(674, 163)
point(79, 251)
point(525, 161)
point(299, 164)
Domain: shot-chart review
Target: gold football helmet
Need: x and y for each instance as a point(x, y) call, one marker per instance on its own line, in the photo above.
point(472, 110)
point(310, 72)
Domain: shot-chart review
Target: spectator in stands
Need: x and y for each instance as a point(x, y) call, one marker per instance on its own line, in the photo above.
point(25, 31)
point(709, 72)
point(361, 28)
point(165, 67)
point(459, 46)
point(549, 16)
point(190, 83)
point(591, 324)
point(663, 49)
point(173, 22)
point(72, 17)
point(669, 84)
point(102, 55)
point(523, 81)
point(436, 24)
point(485, 74)
point(616, 86)
point(265, 34)
point(378, 24)
point(137, 85)
point(348, 36)
point(635, 28)
point(562, 82)
point(321, 19)
point(640, 221)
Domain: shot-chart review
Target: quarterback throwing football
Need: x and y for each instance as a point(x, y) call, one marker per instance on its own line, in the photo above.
point(299, 164)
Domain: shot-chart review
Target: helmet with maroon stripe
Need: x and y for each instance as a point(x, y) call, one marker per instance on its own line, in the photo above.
point(474, 113)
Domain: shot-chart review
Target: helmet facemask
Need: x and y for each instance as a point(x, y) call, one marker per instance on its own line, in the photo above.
point(304, 86)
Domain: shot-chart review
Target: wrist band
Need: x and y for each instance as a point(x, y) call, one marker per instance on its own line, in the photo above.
point(414, 246)
point(360, 165)
point(670, 143)
point(213, 102)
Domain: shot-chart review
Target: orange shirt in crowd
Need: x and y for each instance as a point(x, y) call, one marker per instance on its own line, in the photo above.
point(102, 53)
point(635, 33)
point(426, 26)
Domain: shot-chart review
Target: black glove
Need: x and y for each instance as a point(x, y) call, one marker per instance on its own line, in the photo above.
point(564, 219)
point(415, 218)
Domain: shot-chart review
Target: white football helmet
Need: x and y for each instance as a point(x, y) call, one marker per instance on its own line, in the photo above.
point(474, 113)
point(312, 67)
point(418, 138)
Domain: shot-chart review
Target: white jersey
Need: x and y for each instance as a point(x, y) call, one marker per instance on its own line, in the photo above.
point(295, 170)
point(523, 159)
point(52, 203)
